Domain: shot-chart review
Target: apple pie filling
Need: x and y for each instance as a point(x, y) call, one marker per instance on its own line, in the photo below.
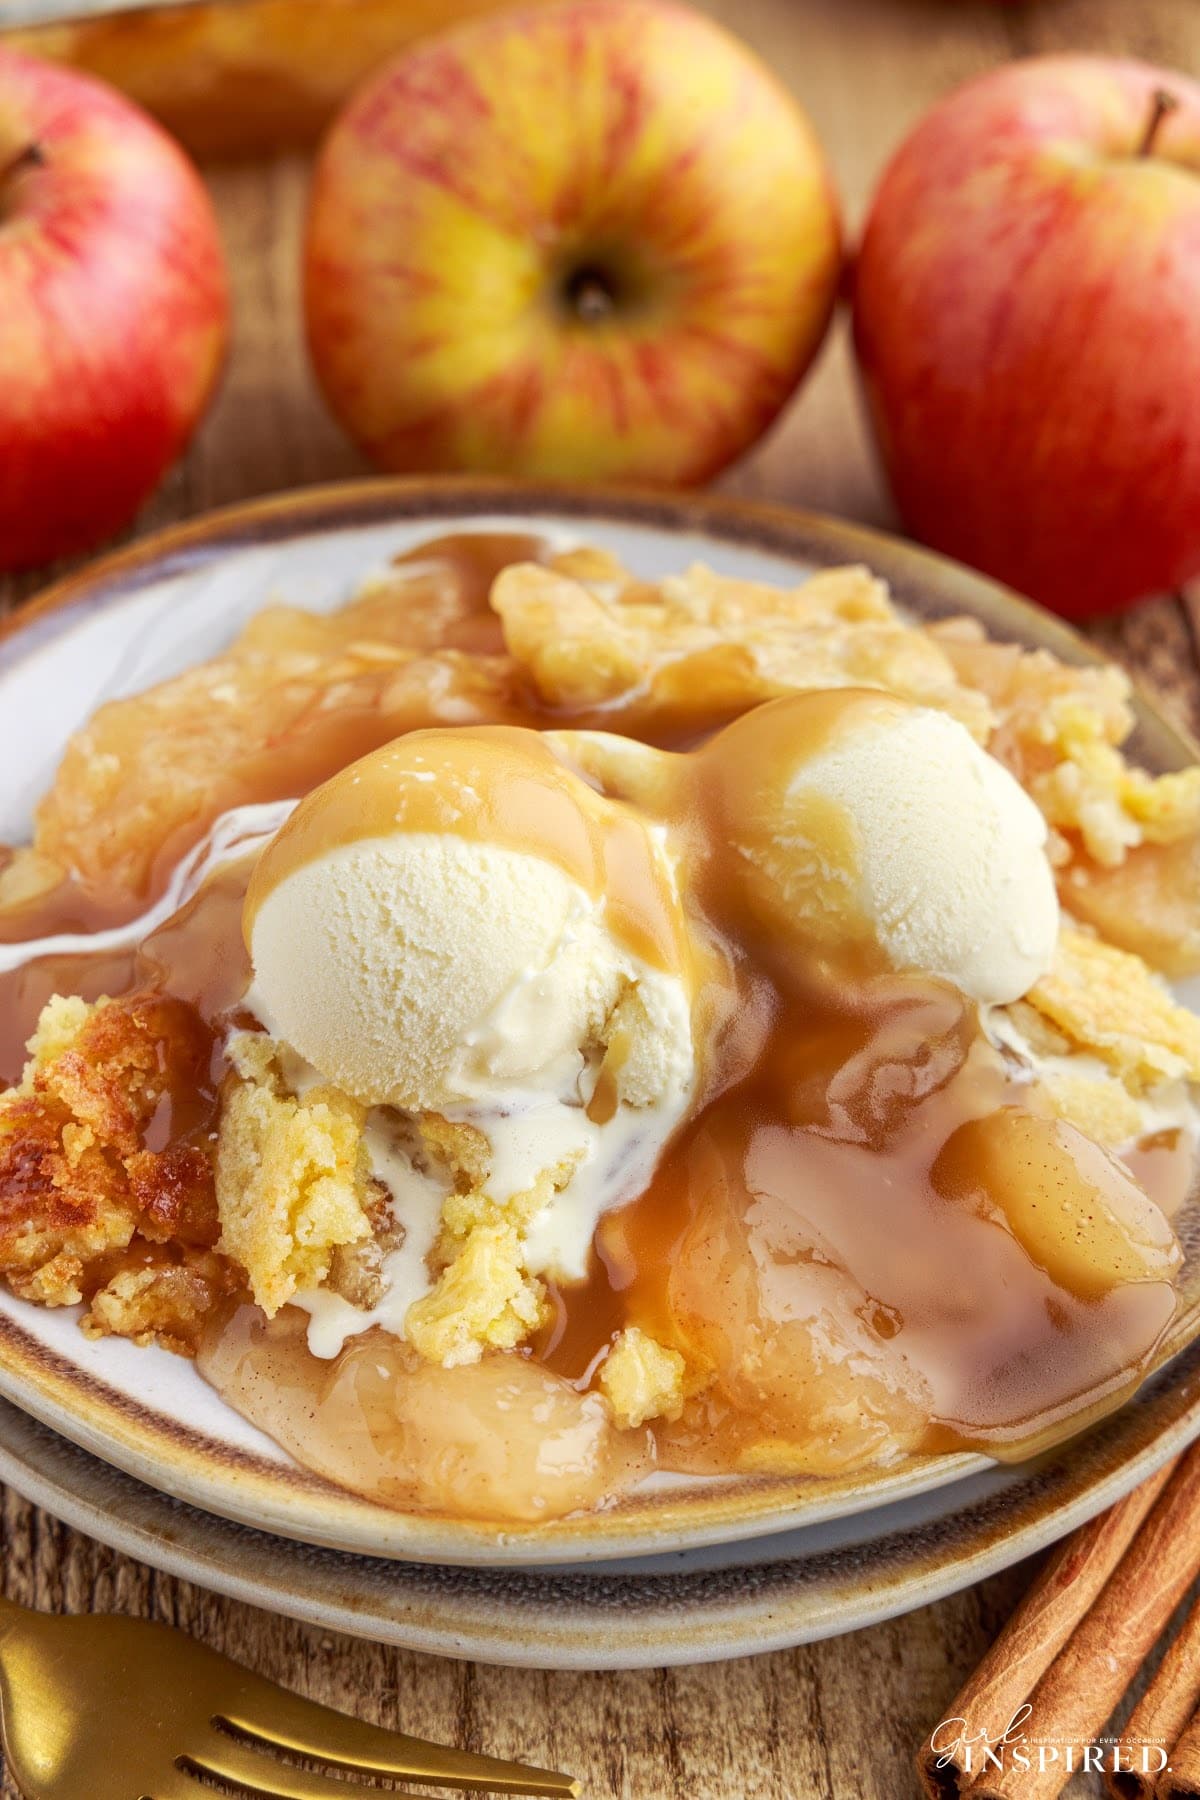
point(535, 1027)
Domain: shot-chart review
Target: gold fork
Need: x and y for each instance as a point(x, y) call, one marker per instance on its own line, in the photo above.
point(109, 1708)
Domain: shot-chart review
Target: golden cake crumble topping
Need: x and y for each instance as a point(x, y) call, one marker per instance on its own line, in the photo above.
point(291, 1174)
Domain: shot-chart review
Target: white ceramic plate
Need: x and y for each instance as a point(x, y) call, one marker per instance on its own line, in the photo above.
point(150, 612)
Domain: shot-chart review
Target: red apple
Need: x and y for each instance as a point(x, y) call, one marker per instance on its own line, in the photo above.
point(114, 309)
point(1027, 319)
point(593, 240)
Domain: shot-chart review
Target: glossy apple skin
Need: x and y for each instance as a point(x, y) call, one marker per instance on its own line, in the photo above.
point(1027, 322)
point(463, 187)
point(114, 310)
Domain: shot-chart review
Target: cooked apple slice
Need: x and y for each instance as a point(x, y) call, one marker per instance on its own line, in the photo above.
point(1075, 1209)
point(503, 1439)
point(807, 1375)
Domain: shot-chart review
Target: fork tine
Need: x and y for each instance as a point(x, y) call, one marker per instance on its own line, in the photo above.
point(269, 1780)
point(286, 1721)
point(248, 1767)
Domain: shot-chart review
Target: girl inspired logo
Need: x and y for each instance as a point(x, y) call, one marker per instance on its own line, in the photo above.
point(976, 1752)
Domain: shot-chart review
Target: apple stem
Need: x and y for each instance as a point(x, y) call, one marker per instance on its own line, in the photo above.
point(1161, 103)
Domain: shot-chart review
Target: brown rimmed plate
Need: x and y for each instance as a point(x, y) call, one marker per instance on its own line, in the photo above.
point(149, 611)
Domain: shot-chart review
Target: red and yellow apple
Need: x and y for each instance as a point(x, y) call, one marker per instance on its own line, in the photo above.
point(1027, 319)
point(113, 309)
point(594, 241)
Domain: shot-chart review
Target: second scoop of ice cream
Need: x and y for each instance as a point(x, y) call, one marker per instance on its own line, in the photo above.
point(861, 822)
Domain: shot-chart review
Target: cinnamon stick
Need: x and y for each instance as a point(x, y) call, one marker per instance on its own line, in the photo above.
point(1074, 1698)
point(1161, 1715)
point(1182, 1779)
point(1033, 1637)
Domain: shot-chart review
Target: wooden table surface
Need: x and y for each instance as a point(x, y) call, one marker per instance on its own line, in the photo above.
point(835, 1721)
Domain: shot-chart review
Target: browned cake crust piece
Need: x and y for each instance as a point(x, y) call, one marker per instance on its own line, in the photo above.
point(90, 1209)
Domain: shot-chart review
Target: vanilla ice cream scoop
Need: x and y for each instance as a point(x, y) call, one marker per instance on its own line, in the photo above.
point(862, 822)
point(460, 916)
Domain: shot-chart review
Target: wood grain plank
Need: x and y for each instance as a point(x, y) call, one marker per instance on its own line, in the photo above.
point(1167, 31)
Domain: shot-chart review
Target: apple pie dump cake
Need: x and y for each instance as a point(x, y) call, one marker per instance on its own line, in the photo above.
point(535, 1025)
